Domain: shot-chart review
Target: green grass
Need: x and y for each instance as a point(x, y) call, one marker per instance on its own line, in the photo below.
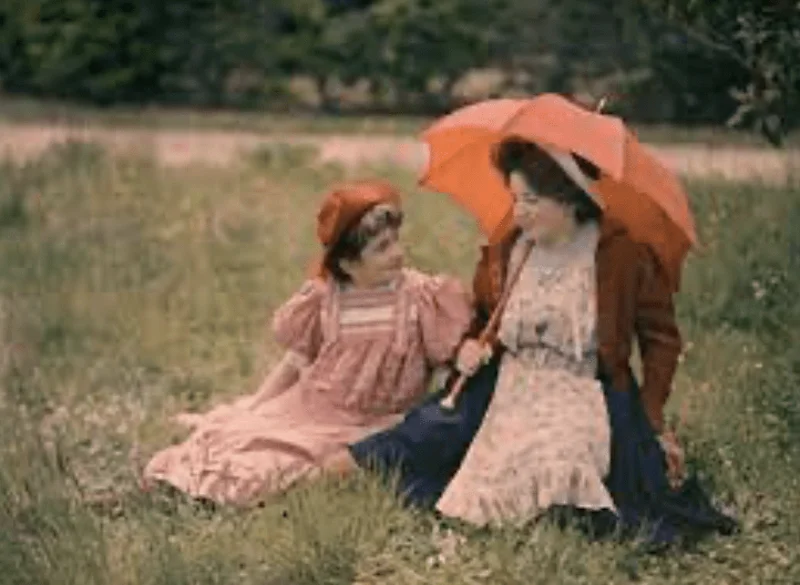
point(161, 117)
point(129, 292)
point(21, 110)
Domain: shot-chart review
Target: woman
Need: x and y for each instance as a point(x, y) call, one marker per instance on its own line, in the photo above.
point(595, 319)
point(362, 340)
point(545, 439)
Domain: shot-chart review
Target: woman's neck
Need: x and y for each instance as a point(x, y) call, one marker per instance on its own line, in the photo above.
point(560, 239)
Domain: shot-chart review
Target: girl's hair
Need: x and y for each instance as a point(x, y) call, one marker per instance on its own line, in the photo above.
point(353, 240)
point(546, 177)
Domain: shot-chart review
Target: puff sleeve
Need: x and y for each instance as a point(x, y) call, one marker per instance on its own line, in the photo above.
point(297, 324)
point(445, 312)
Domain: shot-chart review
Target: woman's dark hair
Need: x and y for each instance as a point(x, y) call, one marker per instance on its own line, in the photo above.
point(546, 177)
point(354, 239)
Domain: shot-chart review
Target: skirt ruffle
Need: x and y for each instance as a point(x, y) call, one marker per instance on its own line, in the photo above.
point(426, 448)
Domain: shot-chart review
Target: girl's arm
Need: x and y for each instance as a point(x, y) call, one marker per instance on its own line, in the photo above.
point(297, 326)
point(282, 377)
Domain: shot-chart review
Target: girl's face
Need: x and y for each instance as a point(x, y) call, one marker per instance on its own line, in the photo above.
point(380, 263)
point(542, 218)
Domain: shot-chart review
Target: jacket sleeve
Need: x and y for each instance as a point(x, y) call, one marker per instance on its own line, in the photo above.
point(481, 295)
point(658, 336)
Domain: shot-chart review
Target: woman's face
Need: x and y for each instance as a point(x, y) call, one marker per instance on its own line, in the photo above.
point(542, 218)
point(380, 263)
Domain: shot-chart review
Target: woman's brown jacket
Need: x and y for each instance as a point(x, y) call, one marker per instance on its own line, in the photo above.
point(633, 301)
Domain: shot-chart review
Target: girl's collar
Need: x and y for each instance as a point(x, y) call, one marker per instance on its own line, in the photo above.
point(390, 286)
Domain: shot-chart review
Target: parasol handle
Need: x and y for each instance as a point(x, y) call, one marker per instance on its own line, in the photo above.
point(449, 401)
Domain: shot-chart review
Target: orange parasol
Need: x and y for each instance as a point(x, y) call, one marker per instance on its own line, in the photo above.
point(635, 187)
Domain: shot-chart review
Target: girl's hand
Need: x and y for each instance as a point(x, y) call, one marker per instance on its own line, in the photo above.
point(189, 420)
point(472, 355)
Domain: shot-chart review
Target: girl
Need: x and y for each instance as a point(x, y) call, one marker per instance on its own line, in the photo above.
point(361, 338)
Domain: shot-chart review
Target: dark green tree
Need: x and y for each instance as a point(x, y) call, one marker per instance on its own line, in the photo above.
point(762, 38)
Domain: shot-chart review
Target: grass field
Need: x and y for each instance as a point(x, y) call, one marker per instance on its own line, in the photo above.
point(269, 123)
point(131, 291)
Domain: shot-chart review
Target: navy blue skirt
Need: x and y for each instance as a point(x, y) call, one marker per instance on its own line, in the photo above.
point(426, 448)
point(637, 481)
point(424, 451)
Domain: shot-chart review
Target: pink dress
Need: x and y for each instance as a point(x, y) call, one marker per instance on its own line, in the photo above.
point(370, 356)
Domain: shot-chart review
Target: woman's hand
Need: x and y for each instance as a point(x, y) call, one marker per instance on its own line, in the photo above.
point(676, 459)
point(472, 355)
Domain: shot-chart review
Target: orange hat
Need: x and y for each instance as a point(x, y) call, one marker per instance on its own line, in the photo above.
point(345, 205)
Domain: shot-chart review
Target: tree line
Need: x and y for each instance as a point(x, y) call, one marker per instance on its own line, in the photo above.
point(670, 61)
